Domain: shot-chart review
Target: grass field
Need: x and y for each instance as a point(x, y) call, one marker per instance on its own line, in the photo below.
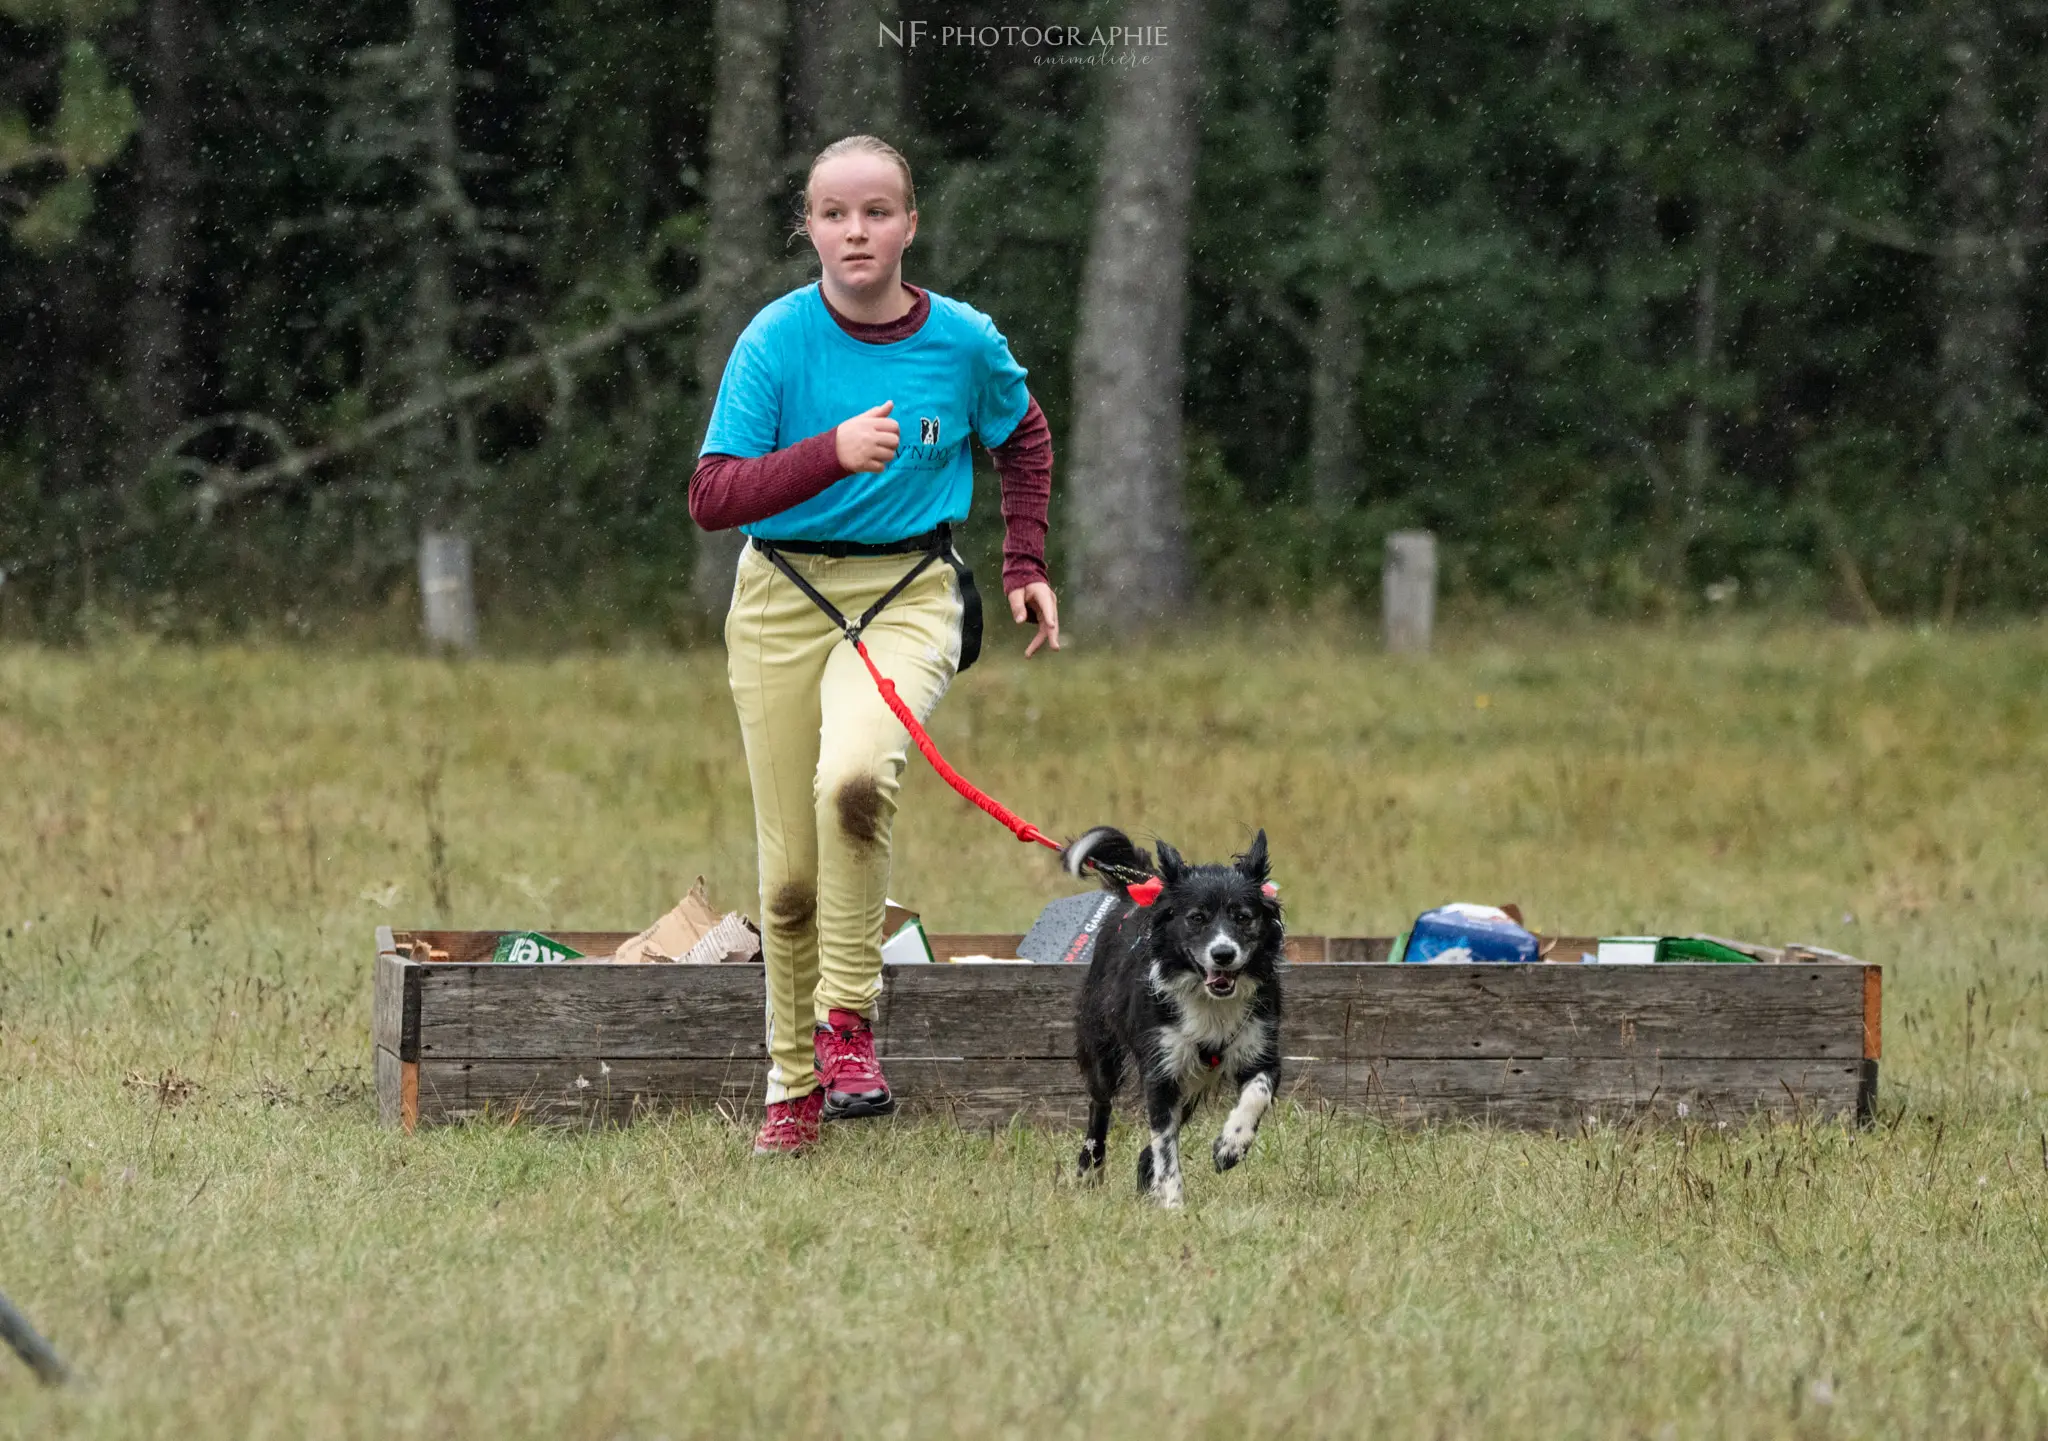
point(202, 1211)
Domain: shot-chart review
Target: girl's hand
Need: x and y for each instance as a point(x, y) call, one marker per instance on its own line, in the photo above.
point(867, 441)
point(1037, 602)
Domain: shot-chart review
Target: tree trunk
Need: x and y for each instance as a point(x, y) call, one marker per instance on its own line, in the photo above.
point(1126, 515)
point(439, 453)
point(737, 262)
point(429, 448)
point(157, 370)
point(1981, 266)
point(1699, 460)
point(74, 426)
point(2030, 207)
point(1273, 73)
point(1350, 201)
point(845, 84)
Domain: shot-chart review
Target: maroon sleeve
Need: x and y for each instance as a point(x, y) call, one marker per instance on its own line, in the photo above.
point(1024, 462)
point(728, 490)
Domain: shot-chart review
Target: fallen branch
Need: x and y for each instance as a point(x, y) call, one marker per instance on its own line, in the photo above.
point(41, 1356)
point(220, 486)
point(1893, 234)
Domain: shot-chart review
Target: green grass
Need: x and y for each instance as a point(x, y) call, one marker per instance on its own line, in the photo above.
point(195, 846)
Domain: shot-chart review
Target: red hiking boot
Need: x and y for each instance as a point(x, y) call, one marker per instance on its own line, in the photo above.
point(854, 1085)
point(790, 1126)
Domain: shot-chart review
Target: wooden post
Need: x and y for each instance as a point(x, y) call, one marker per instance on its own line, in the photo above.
point(1408, 591)
point(447, 596)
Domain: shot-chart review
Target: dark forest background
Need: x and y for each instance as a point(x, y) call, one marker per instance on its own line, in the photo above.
point(1641, 305)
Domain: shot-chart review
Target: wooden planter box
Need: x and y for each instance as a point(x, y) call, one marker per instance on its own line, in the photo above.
point(1550, 1046)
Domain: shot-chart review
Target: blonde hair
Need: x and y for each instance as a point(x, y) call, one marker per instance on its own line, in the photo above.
point(855, 145)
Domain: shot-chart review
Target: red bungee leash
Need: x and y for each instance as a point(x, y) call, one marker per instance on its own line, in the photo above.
point(1144, 890)
point(1022, 829)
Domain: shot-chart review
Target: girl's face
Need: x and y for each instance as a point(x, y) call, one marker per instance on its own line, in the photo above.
point(858, 222)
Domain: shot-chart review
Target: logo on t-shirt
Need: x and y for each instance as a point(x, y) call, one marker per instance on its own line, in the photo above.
point(927, 430)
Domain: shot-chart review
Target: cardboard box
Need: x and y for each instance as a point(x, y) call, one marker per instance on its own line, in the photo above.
point(904, 941)
point(693, 934)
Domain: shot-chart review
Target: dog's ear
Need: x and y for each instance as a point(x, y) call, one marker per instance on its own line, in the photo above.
point(1171, 866)
point(1253, 862)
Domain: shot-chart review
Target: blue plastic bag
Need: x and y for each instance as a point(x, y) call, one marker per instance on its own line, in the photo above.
point(1462, 931)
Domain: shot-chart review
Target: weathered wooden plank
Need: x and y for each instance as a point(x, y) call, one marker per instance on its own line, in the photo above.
point(1514, 1094)
point(676, 1012)
point(1550, 1094)
point(1557, 1093)
point(395, 1006)
point(1455, 1012)
point(992, 1011)
point(384, 1064)
point(1333, 1011)
point(589, 1090)
point(1574, 1011)
point(397, 1089)
point(991, 1092)
point(558, 1091)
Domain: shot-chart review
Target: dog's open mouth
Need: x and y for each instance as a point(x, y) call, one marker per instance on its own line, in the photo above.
point(1219, 983)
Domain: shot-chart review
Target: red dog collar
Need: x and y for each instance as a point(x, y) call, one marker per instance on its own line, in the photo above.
point(1147, 891)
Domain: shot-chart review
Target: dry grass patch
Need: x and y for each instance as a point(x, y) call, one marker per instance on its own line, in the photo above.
point(202, 1211)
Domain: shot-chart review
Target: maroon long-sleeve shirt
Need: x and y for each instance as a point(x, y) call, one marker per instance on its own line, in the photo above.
point(729, 490)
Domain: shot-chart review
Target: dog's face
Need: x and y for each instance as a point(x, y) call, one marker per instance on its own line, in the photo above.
point(1215, 922)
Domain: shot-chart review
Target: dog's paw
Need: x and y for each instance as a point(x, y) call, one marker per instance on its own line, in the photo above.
point(1231, 1146)
point(1159, 1184)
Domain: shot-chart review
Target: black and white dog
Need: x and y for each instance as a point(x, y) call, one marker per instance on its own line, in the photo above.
point(1188, 988)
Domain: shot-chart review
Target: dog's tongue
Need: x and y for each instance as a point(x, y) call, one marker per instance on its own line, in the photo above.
point(1221, 982)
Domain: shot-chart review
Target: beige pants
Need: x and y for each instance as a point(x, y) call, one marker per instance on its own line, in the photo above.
point(826, 758)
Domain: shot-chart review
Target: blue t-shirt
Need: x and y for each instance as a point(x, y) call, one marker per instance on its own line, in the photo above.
point(795, 373)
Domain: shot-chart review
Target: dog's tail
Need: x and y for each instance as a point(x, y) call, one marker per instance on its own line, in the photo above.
point(1111, 854)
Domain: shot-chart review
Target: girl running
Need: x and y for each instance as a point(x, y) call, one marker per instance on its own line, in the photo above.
point(838, 443)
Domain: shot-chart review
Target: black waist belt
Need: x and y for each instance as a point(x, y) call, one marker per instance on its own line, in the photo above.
point(933, 545)
point(840, 549)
